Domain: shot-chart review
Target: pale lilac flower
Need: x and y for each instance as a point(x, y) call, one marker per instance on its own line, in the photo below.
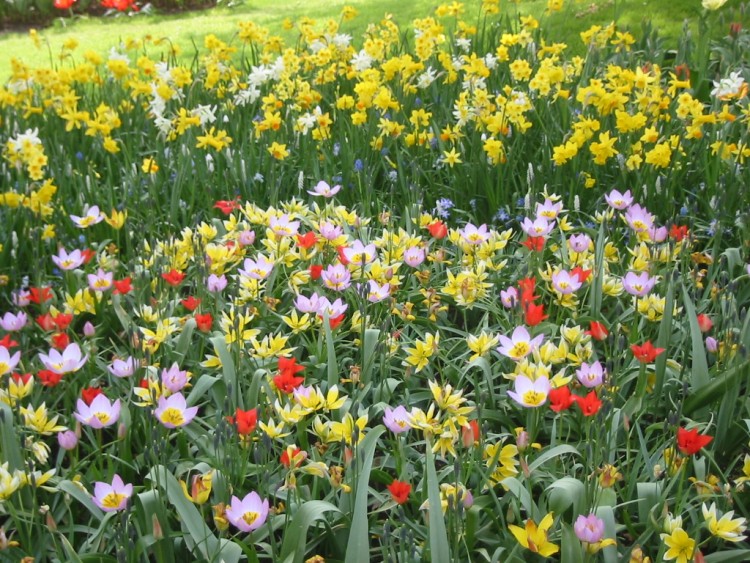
point(638, 218)
point(258, 269)
point(396, 420)
point(69, 361)
point(100, 414)
point(122, 368)
point(324, 189)
point(359, 254)
point(248, 514)
point(336, 277)
point(377, 292)
point(89, 330)
point(67, 439)
point(509, 297)
point(246, 238)
point(12, 323)
point(528, 393)
point(565, 283)
point(216, 284)
point(711, 344)
point(21, 298)
point(580, 242)
point(619, 201)
point(173, 411)
point(658, 234)
point(91, 216)
point(539, 227)
point(414, 256)
point(100, 281)
point(112, 497)
point(638, 284)
point(330, 231)
point(283, 226)
point(473, 234)
point(66, 261)
point(307, 304)
point(589, 529)
point(549, 209)
point(173, 378)
point(519, 345)
point(591, 375)
point(7, 362)
point(333, 310)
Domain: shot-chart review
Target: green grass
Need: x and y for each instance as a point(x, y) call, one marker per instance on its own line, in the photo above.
point(185, 29)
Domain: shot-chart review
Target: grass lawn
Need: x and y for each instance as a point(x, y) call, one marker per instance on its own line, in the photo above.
point(187, 29)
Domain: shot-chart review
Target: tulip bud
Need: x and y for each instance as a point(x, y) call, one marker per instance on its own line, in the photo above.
point(88, 330)
point(67, 439)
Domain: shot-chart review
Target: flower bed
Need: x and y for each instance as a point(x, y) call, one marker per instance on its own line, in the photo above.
point(459, 298)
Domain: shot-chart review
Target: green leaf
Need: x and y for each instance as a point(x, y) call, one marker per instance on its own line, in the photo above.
point(295, 537)
point(209, 546)
point(358, 546)
point(518, 490)
point(699, 370)
point(438, 540)
point(564, 493)
point(81, 496)
point(606, 513)
point(648, 497)
point(70, 553)
point(557, 451)
point(662, 341)
point(595, 295)
point(228, 369)
point(204, 383)
point(369, 346)
point(331, 361)
point(183, 343)
point(484, 365)
point(735, 556)
point(570, 546)
point(9, 439)
point(716, 388)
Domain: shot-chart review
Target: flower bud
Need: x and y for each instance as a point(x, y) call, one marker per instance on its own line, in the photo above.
point(67, 439)
point(88, 329)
